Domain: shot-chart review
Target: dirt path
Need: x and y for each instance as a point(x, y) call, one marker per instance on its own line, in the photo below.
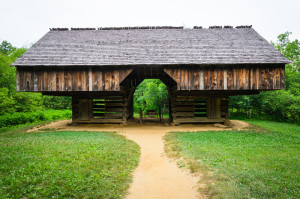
point(156, 175)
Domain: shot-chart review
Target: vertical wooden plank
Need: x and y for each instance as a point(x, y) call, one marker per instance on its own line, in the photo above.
point(95, 79)
point(282, 77)
point(182, 78)
point(101, 81)
point(271, 80)
point(57, 82)
point(45, 80)
point(62, 80)
point(267, 77)
point(178, 78)
point(251, 79)
point(82, 78)
point(190, 79)
point(74, 78)
point(28, 80)
point(40, 75)
point(196, 79)
point(186, 79)
point(112, 80)
point(18, 79)
point(277, 77)
point(235, 78)
point(214, 82)
point(31, 79)
point(263, 78)
point(257, 78)
point(117, 78)
point(79, 80)
point(240, 79)
point(90, 79)
point(220, 79)
point(225, 79)
point(68, 80)
point(229, 79)
point(107, 80)
point(48, 80)
point(207, 79)
point(247, 78)
point(23, 82)
point(201, 79)
point(53, 80)
point(86, 79)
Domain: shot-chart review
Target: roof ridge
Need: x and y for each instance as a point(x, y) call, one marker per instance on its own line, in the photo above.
point(146, 28)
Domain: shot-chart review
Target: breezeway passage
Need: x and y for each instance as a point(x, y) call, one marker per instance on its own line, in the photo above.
point(156, 176)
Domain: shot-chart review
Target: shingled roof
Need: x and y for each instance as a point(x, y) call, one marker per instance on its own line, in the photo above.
point(150, 45)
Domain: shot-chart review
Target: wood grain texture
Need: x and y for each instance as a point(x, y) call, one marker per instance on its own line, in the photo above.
point(266, 77)
point(238, 78)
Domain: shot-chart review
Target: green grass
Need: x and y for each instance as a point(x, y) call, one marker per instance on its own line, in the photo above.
point(66, 164)
point(261, 163)
point(279, 127)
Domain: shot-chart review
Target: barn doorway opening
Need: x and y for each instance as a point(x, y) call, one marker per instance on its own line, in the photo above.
point(151, 101)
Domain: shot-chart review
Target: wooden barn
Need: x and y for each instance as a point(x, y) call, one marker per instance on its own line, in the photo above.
point(101, 68)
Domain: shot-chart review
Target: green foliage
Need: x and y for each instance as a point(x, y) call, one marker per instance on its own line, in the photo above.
point(283, 105)
point(6, 102)
point(57, 102)
point(150, 95)
point(19, 118)
point(66, 164)
point(245, 164)
point(6, 48)
point(25, 104)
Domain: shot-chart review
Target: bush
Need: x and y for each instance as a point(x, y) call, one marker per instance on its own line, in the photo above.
point(19, 118)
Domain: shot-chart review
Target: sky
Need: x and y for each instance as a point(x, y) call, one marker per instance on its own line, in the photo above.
point(24, 22)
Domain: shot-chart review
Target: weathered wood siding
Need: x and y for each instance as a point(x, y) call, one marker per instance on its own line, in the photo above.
point(70, 79)
point(108, 109)
point(195, 109)
point(265, 77)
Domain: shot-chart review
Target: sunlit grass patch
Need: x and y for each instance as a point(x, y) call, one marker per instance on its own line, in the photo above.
point(66, 164)
point(243, 164)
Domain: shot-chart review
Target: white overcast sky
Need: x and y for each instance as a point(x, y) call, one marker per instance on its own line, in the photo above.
point(23, 22)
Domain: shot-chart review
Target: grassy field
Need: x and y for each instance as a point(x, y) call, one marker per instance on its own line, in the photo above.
point(66, 164)
point(260, 163)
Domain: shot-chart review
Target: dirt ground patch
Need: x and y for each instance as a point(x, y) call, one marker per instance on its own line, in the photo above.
point(156, 175)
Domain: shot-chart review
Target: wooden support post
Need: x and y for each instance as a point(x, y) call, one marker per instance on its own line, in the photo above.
point(75, 109)
point(124, 110)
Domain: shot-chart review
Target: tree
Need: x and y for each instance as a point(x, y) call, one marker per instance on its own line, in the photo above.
point(6, 48)
point(150, 95)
